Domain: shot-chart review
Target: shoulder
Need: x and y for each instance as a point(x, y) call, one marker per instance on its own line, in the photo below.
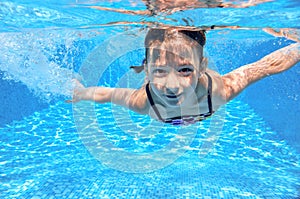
point(139, 101)
point(237, 80)
point(217, 81)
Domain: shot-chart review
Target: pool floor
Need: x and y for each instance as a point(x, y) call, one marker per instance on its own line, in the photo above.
point(43, 156)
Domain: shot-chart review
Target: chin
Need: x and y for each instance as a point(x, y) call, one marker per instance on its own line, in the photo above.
point(175, 102)
point(172, 103)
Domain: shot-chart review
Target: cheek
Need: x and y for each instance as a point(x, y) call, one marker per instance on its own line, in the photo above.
point(189, 82)
point(158, 83)
point(158, 86)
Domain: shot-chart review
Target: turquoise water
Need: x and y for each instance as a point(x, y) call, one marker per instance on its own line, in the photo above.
point(43, 157)
point(50, 149)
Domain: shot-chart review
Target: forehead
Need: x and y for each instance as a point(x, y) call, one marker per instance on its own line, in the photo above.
point(175, 54)
point(170, 59)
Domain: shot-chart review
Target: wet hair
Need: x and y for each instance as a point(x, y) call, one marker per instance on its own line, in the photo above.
point(158, 41)
point(177, 41)
point(162, 34)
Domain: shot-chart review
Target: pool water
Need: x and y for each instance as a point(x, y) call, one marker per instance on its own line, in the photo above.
point(42, 156)
point(51, 149)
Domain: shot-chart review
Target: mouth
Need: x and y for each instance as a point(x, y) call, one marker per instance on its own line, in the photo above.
point(173, 96)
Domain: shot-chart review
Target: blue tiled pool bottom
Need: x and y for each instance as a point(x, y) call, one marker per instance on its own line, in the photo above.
point(43, 157)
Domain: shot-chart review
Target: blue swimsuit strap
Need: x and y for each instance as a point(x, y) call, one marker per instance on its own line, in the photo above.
point(203, 115)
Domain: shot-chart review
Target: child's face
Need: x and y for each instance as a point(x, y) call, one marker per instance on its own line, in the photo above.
point(173, 78)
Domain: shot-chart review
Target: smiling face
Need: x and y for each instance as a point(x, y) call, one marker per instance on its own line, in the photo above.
point(174, 67)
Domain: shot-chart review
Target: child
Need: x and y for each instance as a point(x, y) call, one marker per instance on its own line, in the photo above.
point(179, 88)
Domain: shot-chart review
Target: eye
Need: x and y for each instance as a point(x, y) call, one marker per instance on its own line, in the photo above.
point(160, 72)
point(186, 71)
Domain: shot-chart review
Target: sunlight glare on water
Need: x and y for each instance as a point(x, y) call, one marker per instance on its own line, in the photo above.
point(37, 38)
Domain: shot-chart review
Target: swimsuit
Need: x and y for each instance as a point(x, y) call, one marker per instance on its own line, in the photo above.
point(184, 120)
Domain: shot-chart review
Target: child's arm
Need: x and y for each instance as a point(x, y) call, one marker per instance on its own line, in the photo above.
point(276, 62)
point(134, 99)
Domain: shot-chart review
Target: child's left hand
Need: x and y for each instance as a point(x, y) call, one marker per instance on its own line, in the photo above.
point(289, 33)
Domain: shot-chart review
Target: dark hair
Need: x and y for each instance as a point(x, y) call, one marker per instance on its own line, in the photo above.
point(161, 34)
point(157, 36)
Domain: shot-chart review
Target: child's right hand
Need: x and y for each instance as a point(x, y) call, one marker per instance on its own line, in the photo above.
point(79, 92)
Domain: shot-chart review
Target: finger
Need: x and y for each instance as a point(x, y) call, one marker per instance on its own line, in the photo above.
point(271, 31)
point(69, 101)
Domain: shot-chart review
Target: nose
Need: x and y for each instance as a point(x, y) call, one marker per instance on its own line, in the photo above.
point(172, 91)
point(172, 84)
